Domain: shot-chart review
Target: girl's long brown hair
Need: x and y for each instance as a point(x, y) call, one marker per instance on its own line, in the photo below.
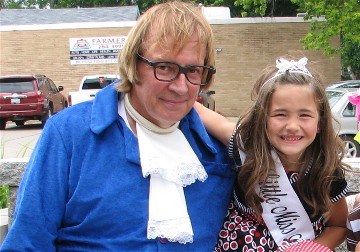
point(323, 157)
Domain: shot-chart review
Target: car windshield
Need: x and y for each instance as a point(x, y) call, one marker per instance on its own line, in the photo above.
point(346, 84)
point(333, 96)
point(95, 83)
point(16, 85)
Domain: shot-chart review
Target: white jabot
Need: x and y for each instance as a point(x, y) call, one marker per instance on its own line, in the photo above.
point(167, 157)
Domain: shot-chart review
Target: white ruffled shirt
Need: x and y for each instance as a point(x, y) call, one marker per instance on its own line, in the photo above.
point(167, 157)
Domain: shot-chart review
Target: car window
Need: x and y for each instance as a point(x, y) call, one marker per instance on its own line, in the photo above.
point(350, 85)
point(95, 83)
point(40, 82)
point(333, 97)
point(51, 85)
point(16, 86)
point(349, 110)
point(345, 84)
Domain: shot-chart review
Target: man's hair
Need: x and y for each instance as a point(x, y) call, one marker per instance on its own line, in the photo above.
point(169, 26)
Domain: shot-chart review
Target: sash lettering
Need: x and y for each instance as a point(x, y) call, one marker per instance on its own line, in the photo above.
point(283, 212)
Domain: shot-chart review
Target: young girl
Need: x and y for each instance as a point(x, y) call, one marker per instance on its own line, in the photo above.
point(291, 183)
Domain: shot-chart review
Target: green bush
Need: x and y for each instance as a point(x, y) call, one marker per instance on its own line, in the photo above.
point(4, 196)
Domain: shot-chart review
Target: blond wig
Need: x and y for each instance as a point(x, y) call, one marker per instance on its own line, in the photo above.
point(168, 26)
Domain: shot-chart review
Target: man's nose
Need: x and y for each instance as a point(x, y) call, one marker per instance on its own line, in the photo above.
point(180, 85)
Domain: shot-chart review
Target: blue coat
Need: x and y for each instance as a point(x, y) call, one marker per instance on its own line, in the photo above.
point(83, 189)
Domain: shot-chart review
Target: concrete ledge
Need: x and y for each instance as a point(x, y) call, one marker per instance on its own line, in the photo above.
point(11, 170)
point(3, 223)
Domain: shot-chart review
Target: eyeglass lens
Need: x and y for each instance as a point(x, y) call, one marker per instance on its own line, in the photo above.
point(167, 71)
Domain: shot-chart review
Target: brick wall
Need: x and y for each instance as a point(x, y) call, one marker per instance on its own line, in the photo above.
point(245, 46)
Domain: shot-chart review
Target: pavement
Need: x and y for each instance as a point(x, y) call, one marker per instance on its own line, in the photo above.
point(19, 142)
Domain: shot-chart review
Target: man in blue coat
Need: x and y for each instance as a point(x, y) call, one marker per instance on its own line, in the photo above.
point(134, 169)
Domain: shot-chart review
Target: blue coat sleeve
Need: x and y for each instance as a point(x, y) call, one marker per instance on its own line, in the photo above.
point(39, 208)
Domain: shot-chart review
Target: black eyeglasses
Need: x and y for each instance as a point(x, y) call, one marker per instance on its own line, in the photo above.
point(169, 71)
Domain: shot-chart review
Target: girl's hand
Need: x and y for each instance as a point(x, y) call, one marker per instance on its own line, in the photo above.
point(335, 232)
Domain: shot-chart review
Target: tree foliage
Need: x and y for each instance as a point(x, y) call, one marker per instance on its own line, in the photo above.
point(342, 19)
point(267, 7)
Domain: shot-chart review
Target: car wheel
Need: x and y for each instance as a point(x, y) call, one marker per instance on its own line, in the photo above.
point(20, 123)
point(351, 146)
point(2, 124)
point(214, 107)
point(49, 113)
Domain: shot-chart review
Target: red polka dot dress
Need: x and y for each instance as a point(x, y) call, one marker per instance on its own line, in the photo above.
point(244, 231)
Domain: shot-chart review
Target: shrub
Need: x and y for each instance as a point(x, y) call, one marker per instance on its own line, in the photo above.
point(4, 196)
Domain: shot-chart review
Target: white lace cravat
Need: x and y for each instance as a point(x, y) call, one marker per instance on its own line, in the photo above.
point(168, 158)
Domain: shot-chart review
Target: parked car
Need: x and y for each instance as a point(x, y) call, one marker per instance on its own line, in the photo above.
point(89, 86)
point(345, 113)
point(29, 97)
point(345, 84)
point(205, 98)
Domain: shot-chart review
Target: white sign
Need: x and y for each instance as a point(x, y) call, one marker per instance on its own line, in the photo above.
point(95, 50)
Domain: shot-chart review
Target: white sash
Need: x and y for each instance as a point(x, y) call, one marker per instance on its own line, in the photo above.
point(283, 212)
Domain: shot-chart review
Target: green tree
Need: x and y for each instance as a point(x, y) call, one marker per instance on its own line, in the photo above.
point(4, 196)
point(10, 4)
point(342, 19)
point(89, 3)
point(351, 58)
point(267, 7)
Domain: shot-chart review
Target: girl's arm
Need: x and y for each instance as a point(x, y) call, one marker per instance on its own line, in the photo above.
point(218, 125)
point(335, 232)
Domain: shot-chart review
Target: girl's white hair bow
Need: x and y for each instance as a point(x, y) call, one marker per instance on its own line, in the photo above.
point(292, 66)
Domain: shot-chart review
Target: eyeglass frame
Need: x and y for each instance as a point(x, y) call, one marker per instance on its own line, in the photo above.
point(184, 70)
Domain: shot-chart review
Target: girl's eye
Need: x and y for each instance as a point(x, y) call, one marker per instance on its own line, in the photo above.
point(279, 115)
point(305, 115)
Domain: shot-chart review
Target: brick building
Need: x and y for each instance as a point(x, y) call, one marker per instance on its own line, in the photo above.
point(38, 41)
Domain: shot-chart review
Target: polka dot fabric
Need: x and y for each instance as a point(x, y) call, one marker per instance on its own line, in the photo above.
point(241, 233)
point(304, 246)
